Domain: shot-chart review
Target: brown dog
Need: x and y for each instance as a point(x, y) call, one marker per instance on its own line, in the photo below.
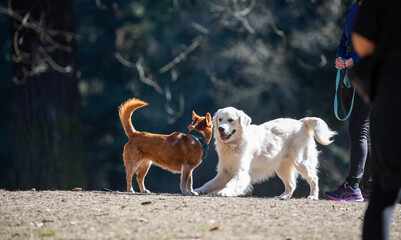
point(177, 152)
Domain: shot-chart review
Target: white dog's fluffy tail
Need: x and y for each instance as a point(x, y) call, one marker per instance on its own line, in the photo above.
point(321, 131)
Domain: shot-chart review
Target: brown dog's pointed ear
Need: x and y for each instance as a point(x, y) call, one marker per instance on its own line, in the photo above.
point(194, 116)
point(209, 120)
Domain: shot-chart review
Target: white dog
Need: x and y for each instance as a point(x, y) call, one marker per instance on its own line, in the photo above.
point(249, 154)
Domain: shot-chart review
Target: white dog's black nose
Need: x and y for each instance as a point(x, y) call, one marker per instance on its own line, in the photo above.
point(221, 130)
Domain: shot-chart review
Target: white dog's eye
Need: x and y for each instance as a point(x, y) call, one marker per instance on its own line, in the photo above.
point(230, 120)
point(220, 119)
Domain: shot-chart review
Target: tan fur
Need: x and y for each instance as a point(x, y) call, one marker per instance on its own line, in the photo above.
point(177, 152)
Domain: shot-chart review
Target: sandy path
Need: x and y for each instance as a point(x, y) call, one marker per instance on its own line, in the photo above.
point(114, 215)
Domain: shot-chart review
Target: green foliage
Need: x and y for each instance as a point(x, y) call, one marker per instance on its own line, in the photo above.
point(48, 233)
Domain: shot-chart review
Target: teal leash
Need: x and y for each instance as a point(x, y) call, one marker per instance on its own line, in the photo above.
point(347, 83)
point(202, 141)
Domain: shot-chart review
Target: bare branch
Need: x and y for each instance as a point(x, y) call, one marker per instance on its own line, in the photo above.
point(310, 67)
point(146, 80)
point(37, 65)
point(141, 71)
point(244, 12)
point(53, 64)
point(174, 117)
point(279, 33)
point(30, 23)
point(124, 61)
point(241, 14)
point(200, 28)
point(196, 44)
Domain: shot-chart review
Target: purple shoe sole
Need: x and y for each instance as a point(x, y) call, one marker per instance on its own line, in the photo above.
point(351, 199)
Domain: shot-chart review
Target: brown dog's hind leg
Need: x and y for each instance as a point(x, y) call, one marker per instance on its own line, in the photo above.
point(132, 158)
point(141, 174)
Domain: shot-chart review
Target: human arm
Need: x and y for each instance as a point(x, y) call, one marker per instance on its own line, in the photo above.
point(363, 46)
point(366, 28)
point(341, 49)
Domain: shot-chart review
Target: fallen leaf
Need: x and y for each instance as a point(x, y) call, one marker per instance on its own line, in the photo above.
point(214, 228)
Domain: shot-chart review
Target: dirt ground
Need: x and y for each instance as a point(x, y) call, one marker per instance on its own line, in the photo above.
point(117, 215)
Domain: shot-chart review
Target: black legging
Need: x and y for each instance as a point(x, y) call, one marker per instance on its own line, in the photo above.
point(358, 131)
point(378, 216)
point(386, 161)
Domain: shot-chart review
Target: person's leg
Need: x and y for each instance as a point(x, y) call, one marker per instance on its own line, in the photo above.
point(379, 213)
point(386, 166)
point(366, 184)
point(358, 130)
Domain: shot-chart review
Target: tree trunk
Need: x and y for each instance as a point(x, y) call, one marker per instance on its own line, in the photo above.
point(47, 137)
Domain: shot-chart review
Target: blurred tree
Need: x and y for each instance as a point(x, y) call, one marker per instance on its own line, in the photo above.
point(47, 140)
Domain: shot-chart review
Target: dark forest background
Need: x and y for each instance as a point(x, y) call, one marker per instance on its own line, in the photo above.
point(66, 66)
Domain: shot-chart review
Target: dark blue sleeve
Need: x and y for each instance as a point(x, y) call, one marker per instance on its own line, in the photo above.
point(341, 49)
point(356, 58)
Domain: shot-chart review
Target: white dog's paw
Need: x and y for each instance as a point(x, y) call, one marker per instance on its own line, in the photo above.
point(226, 193)
point(188, 193)
point(284, 196)
point(200, 191)
point(313, 197)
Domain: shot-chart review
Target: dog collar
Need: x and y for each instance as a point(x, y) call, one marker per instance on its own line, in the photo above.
point(202, 141)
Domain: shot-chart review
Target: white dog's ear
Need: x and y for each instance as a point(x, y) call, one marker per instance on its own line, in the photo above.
point(215, 118)
point(244, 119)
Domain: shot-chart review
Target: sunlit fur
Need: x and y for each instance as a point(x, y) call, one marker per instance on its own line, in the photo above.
point(177, 152)
point(254, 153)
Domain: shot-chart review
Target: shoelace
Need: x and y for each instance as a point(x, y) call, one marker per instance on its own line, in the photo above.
point(344, 185)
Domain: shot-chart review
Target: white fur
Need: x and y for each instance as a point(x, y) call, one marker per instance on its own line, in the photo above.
point(256, 152)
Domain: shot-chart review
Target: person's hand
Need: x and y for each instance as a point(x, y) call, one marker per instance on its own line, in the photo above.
point(349, 63)
point(339, 60)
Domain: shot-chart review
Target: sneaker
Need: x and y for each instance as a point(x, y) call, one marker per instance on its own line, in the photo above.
point(366, 192)
point(345, 193)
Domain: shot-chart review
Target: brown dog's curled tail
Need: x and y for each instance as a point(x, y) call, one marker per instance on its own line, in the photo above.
point(125, 112)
